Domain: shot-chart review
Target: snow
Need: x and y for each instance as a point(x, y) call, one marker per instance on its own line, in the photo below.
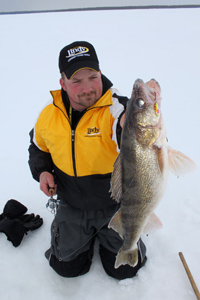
point(162, 44)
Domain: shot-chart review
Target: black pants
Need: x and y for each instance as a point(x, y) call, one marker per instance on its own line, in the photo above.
point(73, 233)
point(81, 264)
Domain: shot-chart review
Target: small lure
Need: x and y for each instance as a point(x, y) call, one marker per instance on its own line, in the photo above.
point(156, 109)
point(156, 106)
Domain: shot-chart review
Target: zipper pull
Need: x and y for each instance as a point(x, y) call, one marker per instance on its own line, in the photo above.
point(72, 135)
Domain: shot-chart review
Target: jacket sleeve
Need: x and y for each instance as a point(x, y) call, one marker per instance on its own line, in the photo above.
point(39, 161)
point(122, 100)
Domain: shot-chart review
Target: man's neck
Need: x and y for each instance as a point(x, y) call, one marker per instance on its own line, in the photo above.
point(76, 106)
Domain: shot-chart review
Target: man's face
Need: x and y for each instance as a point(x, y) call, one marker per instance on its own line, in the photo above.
point(83, 89)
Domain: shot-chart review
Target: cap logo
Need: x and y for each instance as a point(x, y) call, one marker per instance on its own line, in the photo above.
point(77, 51)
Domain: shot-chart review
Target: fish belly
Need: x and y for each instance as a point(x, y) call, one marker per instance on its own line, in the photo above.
point(142, 185)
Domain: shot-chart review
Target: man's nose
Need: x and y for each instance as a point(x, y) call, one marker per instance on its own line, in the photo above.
point(87, 88)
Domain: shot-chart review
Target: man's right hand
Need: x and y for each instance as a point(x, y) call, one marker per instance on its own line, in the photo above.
point(47, 182)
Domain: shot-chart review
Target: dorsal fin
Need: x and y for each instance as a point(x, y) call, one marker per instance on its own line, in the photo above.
point(116, 180)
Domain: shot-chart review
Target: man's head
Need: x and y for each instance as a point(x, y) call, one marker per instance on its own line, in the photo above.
point(78, 56)
point(81, 76)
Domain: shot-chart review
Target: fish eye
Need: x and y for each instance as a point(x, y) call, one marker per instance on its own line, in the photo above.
point(140, 102)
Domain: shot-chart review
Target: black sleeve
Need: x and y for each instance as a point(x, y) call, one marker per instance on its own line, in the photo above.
point(39, 161)
point(123, 100)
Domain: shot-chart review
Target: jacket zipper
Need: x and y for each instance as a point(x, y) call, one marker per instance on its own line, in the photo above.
point(73, 135)
point(73, 152)
point(73, 139)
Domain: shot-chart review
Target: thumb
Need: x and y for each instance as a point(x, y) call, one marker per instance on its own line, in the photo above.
point(122, 120)
point(51, 185)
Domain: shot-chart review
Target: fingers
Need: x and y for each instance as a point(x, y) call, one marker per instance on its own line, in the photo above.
point(47, 182)
point(38, 222)
point(122, 120)
point(26, 218)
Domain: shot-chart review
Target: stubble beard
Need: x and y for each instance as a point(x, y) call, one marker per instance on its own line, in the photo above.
point(87, 100)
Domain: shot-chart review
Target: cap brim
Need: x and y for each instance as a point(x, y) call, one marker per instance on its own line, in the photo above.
point(74, 68)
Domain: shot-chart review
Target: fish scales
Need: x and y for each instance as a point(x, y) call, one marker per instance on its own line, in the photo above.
point(140, 189)
point(141, 170)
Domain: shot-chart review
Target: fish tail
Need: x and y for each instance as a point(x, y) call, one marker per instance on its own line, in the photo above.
point(127, 257)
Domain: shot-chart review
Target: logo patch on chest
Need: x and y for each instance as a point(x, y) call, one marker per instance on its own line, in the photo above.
point(93, 132)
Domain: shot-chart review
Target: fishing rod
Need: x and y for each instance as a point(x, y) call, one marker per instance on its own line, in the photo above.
point(189, 275)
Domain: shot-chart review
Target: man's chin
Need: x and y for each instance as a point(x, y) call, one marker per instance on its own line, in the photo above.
point(90, 101)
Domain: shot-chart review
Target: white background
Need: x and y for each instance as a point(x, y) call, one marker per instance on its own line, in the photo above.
point(161, 44)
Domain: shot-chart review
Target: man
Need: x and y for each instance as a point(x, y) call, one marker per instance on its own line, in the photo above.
point(74, 145)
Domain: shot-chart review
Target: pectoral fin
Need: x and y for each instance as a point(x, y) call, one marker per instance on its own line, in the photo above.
point(179, 163)
point(116, 223)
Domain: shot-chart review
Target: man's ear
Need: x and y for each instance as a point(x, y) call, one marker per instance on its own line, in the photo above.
point(62, 84)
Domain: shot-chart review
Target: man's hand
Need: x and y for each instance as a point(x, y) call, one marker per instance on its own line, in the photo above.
point(122, 120)
point(47, 182)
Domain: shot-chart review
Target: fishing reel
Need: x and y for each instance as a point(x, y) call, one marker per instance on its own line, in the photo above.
point(52, 204)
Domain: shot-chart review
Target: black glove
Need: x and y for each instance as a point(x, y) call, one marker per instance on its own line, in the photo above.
point(30, 222)
point(13, 209)
point(13, 229)
point(15, 224)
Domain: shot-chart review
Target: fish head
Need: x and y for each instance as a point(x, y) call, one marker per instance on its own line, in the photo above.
point(143, 115)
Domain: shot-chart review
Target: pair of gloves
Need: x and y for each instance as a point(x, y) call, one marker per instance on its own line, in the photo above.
point(15, 223)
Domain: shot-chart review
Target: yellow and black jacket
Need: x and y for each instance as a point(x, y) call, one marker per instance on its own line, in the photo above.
point(80, 155)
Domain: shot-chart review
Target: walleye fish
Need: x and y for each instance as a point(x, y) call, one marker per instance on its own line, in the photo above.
point(141, 169)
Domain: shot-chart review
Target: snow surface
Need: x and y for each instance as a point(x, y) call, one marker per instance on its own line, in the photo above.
point(163, 44)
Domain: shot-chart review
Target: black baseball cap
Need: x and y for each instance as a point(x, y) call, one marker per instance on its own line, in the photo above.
point(77, 56)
